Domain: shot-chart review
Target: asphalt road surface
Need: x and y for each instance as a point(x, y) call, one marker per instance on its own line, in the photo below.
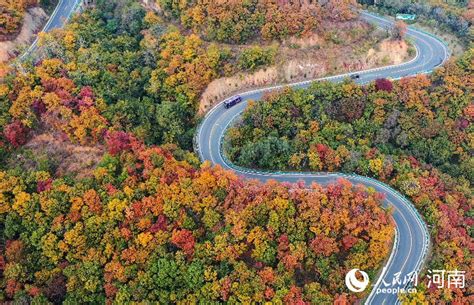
point(412, 238)
point(58, 18)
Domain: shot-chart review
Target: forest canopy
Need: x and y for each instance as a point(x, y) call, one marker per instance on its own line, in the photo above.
point(146, 221)
point(241, 21)
point(456, 16)
point(119, 80)
point(416, 134)
point(147, 75)
point(152, 228)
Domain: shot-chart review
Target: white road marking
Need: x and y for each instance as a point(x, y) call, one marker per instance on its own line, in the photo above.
point(427, 41)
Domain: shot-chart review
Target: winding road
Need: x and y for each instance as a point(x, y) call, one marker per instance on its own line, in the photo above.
point(412, 239)
point(58, 18)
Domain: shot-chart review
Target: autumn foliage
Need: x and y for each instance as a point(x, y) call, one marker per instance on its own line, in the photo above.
point(399, 30)
point(16, 133)
point(383, 84)
point(415, 134)
point(150, 228)
point(147, 75)
point(118, 141)
point(48, 97)
point(240, 21)
point(11, 16)
point(151, 224)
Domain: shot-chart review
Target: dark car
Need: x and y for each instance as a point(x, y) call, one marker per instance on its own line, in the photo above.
point(355, 76)
point(233, 101)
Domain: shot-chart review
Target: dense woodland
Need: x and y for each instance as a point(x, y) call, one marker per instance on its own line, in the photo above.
point(12, 13)
point(151, 223)
point(148, 76)
point(147, 73)
point(426, 117)
point(241, 21)
point(148, 227)
point(456, 16)
point(415, 134)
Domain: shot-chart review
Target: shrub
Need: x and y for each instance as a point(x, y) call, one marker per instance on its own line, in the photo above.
point(255, 57)
point(383, 84)
point(16, 133)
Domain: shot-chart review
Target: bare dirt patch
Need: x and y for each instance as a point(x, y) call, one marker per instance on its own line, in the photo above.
point(64, 156)
point(388, 52)
point(304, 60)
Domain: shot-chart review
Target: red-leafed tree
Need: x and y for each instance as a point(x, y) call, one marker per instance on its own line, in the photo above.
point(324, 245)
point(294, 297)
point(184, 240)
point(16, 133)
point(117, 141)
point(44, 185)
point(383, 84)
point(348, 241)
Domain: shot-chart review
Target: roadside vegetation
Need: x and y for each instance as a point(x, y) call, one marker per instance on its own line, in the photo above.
point(147, 227)
point(150, 75)
point(414, 134)
point(11, 16)
point(12, 13)
point(103, 201)
point(92, 210)
point(454, 16)
point(145, 215)
point(278, 42)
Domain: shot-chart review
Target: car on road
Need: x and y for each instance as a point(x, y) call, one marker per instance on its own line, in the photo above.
point(232, 101)
point(355, 76)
